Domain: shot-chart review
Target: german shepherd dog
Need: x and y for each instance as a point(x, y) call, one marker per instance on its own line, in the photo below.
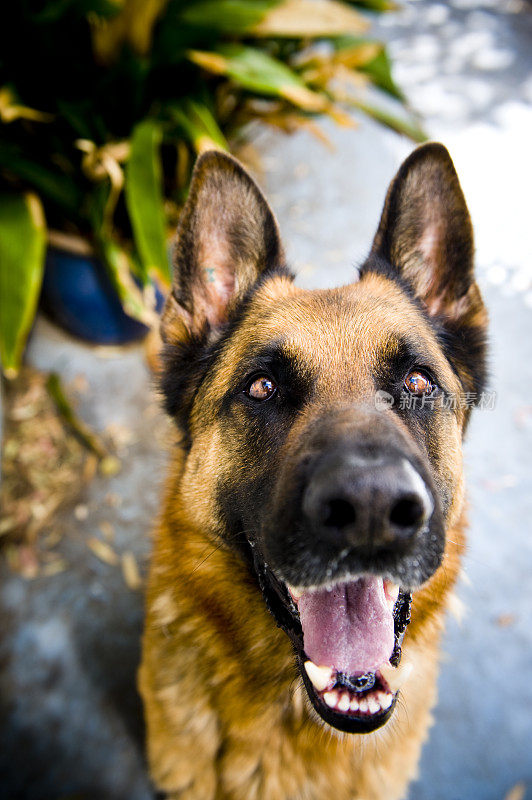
point(313, 519)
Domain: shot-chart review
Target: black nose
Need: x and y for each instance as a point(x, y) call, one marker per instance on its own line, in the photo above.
point(366, 502)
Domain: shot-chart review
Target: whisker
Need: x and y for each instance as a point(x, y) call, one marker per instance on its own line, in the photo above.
point(220, 544)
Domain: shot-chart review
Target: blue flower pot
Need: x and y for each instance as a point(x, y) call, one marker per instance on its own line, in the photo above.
point(77, 293)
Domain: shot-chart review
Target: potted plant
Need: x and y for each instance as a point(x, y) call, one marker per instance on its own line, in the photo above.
point(104, 105)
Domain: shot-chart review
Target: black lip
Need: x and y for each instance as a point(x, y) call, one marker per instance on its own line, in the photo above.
point(284, 611)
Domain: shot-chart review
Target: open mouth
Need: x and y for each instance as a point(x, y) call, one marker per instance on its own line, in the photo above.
point(347, 639)
point(352, 635)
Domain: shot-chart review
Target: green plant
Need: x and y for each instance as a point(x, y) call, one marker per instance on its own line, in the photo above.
point(104, 104)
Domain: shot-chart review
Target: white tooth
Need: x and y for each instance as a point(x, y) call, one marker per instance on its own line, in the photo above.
point(353, 705)
point(385, 700)
point(296, 594)
point(396, 677)
point(331, 698)
point(373, 705)
point(392, 593)
point(320, 676)
point(363, 705)
point(343, 703)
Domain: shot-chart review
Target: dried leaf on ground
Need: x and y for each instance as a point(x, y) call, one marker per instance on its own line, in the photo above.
point(120, 436)
point(81, 512)
point(103, 551)
point(505, 620)
point(113, 500)
point(23, 560)
point(130, 571)
point(517, 792)
point(54, 567)
point(42, 461)
point(79, 384)
point(91, 465)
point(52, 538)
point(109, 466)
point(108, 530)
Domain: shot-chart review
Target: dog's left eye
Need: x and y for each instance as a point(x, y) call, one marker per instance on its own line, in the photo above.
point(418, 383)
point(261, 388)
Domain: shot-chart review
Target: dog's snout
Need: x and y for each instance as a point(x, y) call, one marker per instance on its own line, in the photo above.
point(366, 503)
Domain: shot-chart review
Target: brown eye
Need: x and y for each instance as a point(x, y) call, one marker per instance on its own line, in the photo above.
point(417, 383)
point(262, 388)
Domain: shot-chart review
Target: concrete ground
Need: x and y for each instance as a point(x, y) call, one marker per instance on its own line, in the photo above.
point(70, 719)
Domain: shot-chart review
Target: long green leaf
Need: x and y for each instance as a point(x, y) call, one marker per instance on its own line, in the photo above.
point(410, 129)
point(199, 125)
point(55, 10)
point(379, 69)
point(376, 5)
point(226, 16)
point(380, 72)
point(22, 250)
point(144, 197)
point(81, 430)
point(258, 72)
point(120, 269)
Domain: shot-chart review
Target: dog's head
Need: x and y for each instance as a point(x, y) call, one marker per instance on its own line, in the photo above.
point(322, 429)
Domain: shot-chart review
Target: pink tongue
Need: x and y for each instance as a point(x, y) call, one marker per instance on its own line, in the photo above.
point(349, 627)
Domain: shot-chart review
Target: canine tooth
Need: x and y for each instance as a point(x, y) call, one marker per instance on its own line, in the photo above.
point(354, 705)
point(373, 705)
point(296, 595)
point(391, 591)
point(363, 705)
point(331, 698)
point(396, 677)
point(319, 676)
point(343, 703)
point(385, 700)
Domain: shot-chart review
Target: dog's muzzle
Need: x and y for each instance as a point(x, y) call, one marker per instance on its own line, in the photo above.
point(362, 529)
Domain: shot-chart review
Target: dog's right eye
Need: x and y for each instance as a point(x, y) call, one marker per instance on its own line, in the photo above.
point(418, 383)
point(261, 388)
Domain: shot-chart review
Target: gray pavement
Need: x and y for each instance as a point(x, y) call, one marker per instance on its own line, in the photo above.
point(69, 647)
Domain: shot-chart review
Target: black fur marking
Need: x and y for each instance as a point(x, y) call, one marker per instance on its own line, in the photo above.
point(409, 356)
point(294, 379)
point(186, 364)
point(464, 346)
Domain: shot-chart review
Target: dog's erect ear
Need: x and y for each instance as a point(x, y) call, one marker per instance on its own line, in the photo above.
point(226, 239)
point(425, 233)
point(425, 236)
